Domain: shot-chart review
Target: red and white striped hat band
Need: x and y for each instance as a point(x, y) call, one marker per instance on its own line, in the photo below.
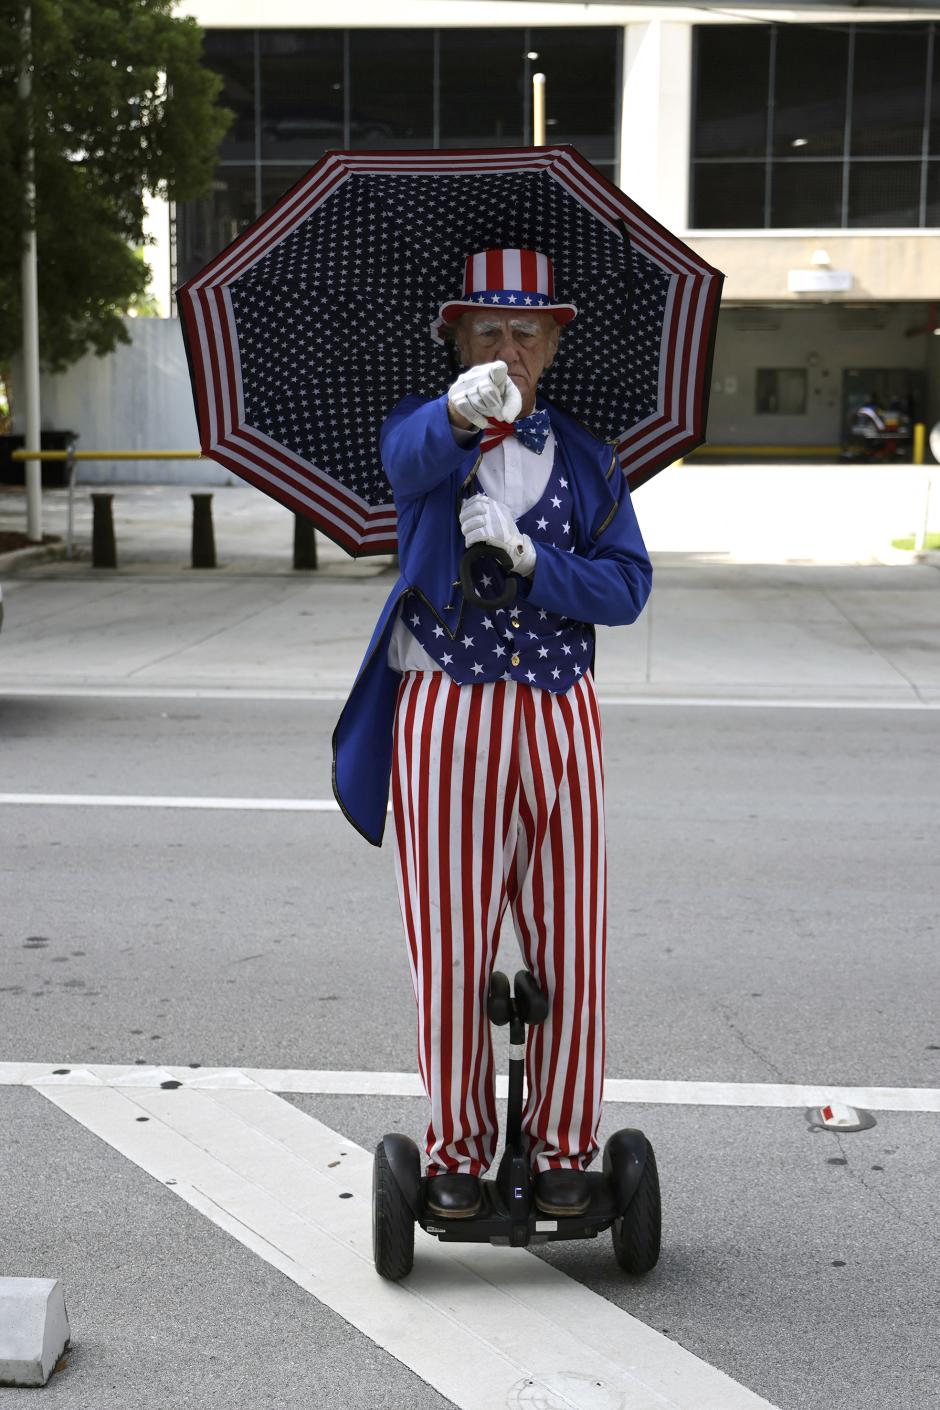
point(522, 279)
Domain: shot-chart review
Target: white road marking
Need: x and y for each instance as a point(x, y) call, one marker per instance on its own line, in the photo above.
point(795, 702)
point(906, 701)
point(169, 692)
point(121, 800)
point(328, 1082)
point(478, 1324)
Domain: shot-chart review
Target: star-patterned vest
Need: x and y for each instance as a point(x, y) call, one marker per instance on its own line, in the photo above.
point(520, 643)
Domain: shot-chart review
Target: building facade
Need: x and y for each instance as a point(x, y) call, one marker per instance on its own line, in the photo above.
point(796, 148)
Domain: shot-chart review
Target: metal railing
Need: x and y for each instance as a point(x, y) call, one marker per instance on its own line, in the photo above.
point(305, 546)
point(71, 456)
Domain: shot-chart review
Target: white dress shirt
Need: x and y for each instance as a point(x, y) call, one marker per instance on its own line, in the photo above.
point(510, 472)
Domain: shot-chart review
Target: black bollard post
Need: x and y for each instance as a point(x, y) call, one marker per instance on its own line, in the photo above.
point(203, 535)
point(103, 548)
point(305, 542)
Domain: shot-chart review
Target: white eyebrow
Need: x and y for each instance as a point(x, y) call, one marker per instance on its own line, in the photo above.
point(489, 325)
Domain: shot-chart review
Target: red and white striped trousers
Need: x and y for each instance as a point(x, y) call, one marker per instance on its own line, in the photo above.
point(497, 797)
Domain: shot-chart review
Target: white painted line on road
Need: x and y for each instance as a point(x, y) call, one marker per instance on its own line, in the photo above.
point(120, 800)
point(485, 1327)
point(288, 693)
point(794, 702)
point(327, 1082)
point(169, 692)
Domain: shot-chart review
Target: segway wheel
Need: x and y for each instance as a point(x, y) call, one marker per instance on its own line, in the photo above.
point(393, 1224)
point(637, 1234)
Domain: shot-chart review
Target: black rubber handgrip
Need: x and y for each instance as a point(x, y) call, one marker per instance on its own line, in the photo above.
point(531, 1003)
point(488, 604)
point(498, 999)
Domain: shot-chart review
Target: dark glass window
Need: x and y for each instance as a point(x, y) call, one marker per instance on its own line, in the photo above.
point(731, 90)
point(482, 87)
point(276, 181)
point(933, 193)
point(834, 98)
point(889, 90)
point(391, 79)
point(301, 93)
point(884, 193)
point(729, 194)
point(298, 93)
point(231, 53)
point(780, 391)
point(608, 169)
point(580, 68)
point(810, 86)
point(206, 226)
point(806, 193)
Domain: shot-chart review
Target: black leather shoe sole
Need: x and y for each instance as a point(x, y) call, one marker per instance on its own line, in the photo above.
point(562, 1192)
point(453, 1196)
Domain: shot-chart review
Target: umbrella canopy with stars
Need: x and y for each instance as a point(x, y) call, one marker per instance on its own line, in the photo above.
point(306, 331)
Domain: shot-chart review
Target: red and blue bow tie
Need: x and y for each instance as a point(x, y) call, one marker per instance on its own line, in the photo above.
point(531, 430)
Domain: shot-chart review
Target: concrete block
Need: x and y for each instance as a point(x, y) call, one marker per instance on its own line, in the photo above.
point(34, 1329)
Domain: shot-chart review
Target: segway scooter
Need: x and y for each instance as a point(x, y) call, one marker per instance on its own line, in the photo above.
point(624, 1196)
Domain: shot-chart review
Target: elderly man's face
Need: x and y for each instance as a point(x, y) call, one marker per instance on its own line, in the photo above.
point(525, 341)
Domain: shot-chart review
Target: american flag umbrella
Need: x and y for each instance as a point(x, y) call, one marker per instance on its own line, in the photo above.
point(305, 332)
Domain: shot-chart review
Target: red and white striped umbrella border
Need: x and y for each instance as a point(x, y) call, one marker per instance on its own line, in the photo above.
point(688, 333)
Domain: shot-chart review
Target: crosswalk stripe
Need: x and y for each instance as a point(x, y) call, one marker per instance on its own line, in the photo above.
point(483, 1326)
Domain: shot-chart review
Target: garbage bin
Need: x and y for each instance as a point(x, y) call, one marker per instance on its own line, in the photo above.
point(54, 472)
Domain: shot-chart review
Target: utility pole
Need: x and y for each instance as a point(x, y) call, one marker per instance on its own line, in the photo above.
point(30, 294)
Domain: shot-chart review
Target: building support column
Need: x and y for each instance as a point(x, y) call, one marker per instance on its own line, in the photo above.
point(656, 119)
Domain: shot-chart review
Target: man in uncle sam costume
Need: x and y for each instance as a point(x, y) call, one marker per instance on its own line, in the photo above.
point(487, 725)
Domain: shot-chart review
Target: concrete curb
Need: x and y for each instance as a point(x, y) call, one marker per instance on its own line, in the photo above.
point(930, 556)
point(34, 1330)
point(33, 553)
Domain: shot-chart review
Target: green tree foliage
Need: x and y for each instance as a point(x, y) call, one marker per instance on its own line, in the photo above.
point(121, 106)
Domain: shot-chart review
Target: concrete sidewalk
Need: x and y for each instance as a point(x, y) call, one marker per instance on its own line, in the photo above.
point(716, 627)
point(761, 513)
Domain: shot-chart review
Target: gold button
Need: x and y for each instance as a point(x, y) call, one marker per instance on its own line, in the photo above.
point(515, 660)
point(515, 622)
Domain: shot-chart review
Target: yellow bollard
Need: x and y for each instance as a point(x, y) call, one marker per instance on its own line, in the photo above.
point(920, 437)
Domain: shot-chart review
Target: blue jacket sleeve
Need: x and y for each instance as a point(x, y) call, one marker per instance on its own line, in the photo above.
point(608, 584)
point(418, 447)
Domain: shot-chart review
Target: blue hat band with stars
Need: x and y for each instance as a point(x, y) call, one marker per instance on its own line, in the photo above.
point(508, 299)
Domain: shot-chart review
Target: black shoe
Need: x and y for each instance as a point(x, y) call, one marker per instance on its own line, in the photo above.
point(562, 1192)
point(453, 1196)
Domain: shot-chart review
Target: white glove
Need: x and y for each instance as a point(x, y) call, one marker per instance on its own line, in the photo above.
point(485, 392)
point(485, 520)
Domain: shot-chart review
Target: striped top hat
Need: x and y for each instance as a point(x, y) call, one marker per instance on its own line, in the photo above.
point(521, 279)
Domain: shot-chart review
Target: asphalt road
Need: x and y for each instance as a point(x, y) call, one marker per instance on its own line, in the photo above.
point(772, 910)
point(773, 900)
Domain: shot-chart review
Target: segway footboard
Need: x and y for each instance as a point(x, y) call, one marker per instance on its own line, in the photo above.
point(497, 1224)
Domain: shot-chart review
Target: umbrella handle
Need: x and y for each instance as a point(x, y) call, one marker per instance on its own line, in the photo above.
point(488, 604)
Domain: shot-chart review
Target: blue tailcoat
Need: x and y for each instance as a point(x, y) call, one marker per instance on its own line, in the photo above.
point(606, 580)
